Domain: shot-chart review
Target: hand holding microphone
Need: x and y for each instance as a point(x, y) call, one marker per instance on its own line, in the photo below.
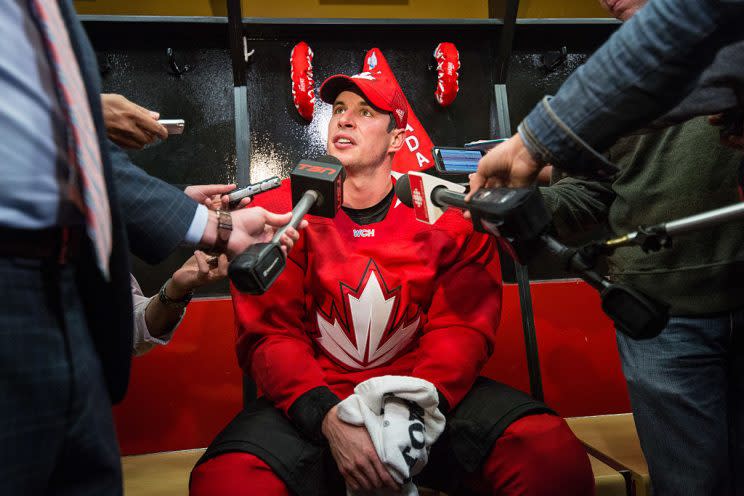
point(317, 188)
point(519, 220)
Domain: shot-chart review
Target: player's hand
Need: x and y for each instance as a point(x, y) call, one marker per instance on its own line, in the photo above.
point(507, 164)
point(735, 141)
point(355, 455)
point(129, 125)
point(213, 196)
point(197, 272)
point(257, 225)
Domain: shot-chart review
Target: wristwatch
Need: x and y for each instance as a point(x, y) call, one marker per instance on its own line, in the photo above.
point(170, 302)
point(224, 229)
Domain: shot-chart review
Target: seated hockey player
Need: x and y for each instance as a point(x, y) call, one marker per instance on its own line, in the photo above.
point(374, 293)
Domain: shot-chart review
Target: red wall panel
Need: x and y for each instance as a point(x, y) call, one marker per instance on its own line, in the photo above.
point(181, 395)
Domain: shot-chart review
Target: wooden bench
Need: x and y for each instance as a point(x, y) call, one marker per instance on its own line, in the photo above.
point(613, 439)
point(167, 474)
point(159, 474)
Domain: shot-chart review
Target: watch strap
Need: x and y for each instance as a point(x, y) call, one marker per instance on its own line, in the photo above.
point(224, 230)
point(170, 302)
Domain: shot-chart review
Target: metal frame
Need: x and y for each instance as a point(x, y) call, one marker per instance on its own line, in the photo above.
point(240, 93)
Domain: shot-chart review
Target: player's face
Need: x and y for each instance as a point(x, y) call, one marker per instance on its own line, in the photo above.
point(358, 133)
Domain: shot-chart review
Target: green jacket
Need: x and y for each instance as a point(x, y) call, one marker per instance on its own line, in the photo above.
point(665, 175)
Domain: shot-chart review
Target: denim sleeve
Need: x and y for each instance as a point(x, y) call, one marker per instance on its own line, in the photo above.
point(644, 69)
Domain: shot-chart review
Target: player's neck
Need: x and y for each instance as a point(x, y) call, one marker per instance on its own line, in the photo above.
point(364, 189)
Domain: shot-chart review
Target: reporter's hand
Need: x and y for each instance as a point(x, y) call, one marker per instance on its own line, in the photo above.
point(507, 164)
point(196, 272)
point(128, 124)
point(213, 196)
point(355, 455)
point(730, 140)
point(257, 225)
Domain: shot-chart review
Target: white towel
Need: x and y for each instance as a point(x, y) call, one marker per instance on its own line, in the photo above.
point(402, 418)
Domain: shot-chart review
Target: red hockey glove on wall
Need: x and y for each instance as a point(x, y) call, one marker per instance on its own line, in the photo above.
point(303, 86)
point(448, 65)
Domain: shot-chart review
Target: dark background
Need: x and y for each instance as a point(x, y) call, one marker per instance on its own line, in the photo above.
point(133, 59)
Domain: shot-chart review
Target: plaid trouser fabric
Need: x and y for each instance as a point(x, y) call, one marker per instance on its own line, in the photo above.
point(56, 429)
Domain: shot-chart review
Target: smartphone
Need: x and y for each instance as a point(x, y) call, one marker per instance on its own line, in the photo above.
point(251, 190)
point(456, 161)
point(484, 145)
point(174, 126)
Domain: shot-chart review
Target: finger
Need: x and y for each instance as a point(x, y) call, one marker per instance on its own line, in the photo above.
point(216, 189)
point(277, 220)
point(225, 202)
point(292, 233)
point(208, 203)
point(384, 474)
point(154, 115)
point(476, 181)
point(287, 241)
point(201, 262)
point(149, 125)
point(367, 476)
point(244, 202)
point(351, 481)
point(222, 265)
point(140, 136)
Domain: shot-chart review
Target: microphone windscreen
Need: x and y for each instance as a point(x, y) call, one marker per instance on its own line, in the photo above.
point(403, 190)
point(329, 159)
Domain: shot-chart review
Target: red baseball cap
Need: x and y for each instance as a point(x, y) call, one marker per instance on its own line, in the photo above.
point(378, 90)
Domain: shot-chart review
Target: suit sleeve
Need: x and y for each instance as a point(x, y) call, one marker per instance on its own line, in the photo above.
point(462, 320)
point(578, 205)
point(156, 214)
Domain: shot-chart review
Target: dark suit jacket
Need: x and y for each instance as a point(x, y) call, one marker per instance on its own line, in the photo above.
point(153, 215)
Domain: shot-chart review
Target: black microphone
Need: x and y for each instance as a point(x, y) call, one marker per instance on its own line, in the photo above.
point(519, 220)
point(517, 213)
point(317, 189)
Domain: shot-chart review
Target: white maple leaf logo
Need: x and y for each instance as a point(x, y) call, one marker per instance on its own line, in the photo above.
point(371, 337)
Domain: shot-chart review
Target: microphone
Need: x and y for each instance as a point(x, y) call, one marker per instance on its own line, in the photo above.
point(428, 196)
point(516, 213)
point(317, 189)
point(519, 220)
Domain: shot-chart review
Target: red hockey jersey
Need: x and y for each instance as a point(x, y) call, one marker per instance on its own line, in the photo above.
point(396, 297)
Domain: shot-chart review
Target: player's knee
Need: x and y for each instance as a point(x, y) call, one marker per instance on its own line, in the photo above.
point(539, 455)
point(235, 474)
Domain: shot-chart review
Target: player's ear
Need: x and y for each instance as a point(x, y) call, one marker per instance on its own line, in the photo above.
point(396, 141)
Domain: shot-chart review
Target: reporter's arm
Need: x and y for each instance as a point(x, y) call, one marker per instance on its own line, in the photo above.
point(578, 205)
point(143, 341)
point(166, 309)
point(640, 72)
